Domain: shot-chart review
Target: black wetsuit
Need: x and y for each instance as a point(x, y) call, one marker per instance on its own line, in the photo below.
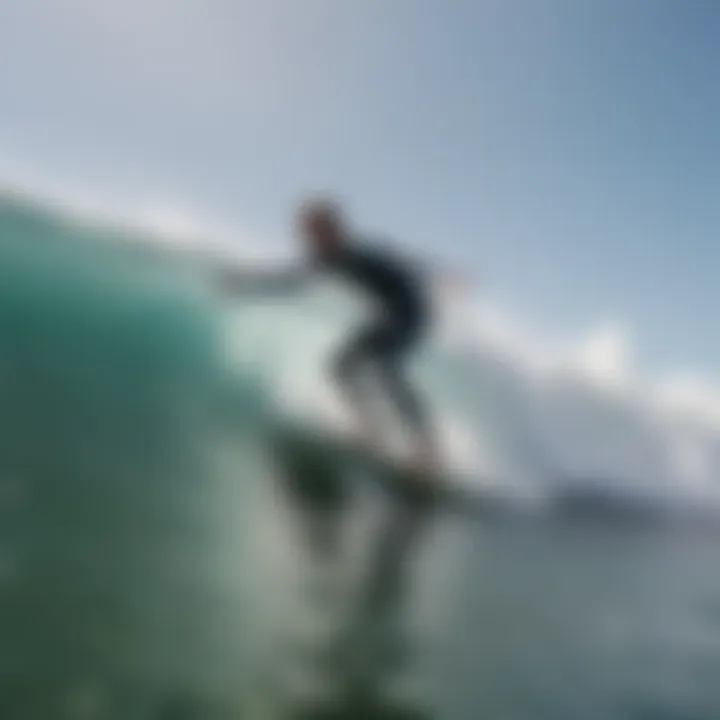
point(404, 315)
point(403, 318)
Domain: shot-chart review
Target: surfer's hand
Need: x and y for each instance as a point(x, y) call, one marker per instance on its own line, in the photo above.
point(453, 286)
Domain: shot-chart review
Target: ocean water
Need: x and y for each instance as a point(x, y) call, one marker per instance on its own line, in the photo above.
point(148, 563)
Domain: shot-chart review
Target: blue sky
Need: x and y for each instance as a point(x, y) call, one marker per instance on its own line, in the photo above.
point(566, 151)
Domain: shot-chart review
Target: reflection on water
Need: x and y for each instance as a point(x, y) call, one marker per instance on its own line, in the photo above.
point(123, 611)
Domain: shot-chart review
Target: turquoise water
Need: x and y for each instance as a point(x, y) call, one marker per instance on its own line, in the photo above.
point(139, 532)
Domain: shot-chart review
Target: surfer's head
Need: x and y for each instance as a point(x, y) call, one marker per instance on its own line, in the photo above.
point(322, 227)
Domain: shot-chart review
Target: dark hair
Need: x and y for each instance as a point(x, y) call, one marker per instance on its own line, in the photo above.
point(322, 209)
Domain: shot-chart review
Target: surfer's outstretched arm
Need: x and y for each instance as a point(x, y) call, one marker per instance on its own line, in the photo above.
point(236, 281)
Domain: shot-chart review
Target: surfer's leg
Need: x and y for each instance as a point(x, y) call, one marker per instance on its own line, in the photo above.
point(345, 369)
point(390, 349)
point(385, 344)
point(412, 410)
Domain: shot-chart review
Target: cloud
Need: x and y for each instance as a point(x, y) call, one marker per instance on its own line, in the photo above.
point(690, 399)
point(605, 356)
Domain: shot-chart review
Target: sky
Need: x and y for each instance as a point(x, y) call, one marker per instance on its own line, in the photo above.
point(563, 154)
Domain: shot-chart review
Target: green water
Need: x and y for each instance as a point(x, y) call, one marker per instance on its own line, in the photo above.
point(109, 385)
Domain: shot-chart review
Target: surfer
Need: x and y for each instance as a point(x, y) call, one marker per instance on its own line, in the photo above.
point(385, 342)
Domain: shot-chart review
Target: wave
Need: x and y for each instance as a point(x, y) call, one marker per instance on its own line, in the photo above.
point(115, 353)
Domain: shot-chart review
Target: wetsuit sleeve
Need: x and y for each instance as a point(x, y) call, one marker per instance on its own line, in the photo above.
point(236, 281)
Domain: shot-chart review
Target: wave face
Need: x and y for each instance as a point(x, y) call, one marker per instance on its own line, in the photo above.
point(109, 378)
point(108, 357)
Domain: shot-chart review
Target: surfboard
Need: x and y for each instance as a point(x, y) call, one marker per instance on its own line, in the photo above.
point(315, 462)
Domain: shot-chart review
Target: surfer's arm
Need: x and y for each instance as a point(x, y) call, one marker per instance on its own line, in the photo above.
point(454, 285)
point(443, 284)
point(239, 281)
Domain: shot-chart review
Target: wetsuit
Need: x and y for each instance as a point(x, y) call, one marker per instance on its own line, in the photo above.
point(398, 291)
point(403, 318)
